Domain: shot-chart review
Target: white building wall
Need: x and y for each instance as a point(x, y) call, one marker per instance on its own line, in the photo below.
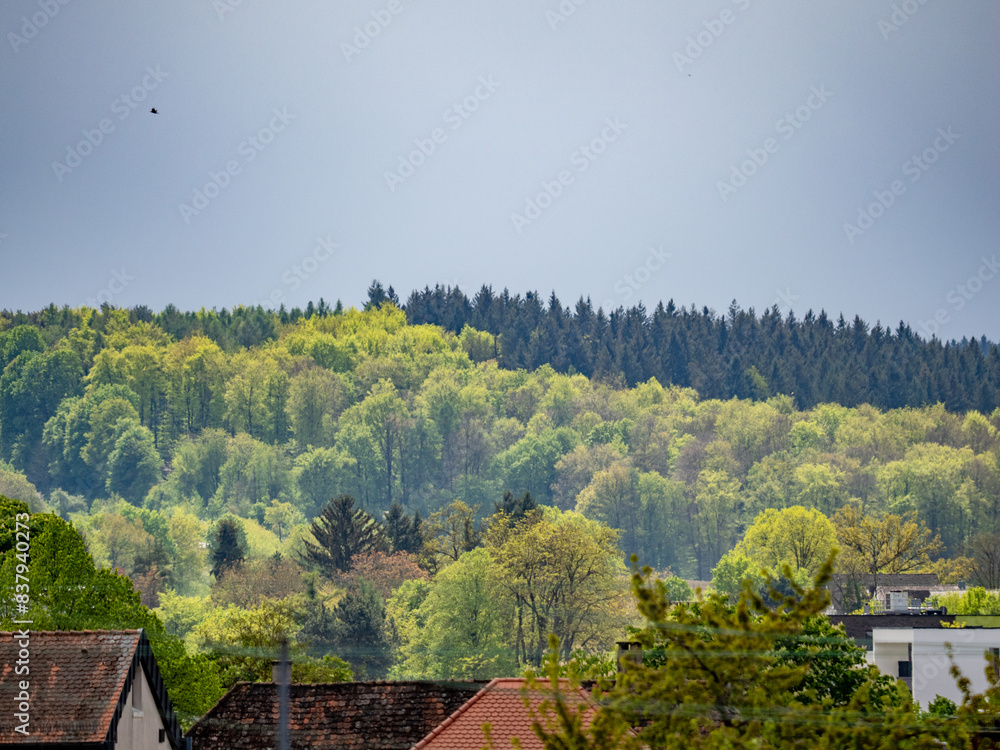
point(888, 655)
point(140, 724)
point(931, 664)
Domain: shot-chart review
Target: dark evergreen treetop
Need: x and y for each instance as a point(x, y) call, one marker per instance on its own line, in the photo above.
point(228, 551)
point(377, 296)
point(405, 534)
point(516, 507)
point(341, 532)
point(739, 354)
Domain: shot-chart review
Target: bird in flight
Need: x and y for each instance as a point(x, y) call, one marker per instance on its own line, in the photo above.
point(153, 110)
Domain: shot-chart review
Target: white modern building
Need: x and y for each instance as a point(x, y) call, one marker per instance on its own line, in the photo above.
point(919, 657)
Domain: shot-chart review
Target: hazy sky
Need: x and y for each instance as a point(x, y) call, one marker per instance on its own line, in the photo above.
point(837, 154)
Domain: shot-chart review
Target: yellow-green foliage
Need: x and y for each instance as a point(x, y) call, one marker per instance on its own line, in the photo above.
point(260, 541)
point(295, 411)
point(975, 601)
point(183, 615)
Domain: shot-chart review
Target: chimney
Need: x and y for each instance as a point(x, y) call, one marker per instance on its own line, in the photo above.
point(629, 651)
point(281, 672)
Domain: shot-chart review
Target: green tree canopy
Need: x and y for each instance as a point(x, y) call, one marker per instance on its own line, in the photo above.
point(799, 538)
point(461, 630)
point(134, 464)
point(562, 571)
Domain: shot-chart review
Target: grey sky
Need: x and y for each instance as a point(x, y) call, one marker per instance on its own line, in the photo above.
point(667, 101)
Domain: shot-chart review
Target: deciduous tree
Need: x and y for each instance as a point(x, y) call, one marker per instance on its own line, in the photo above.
point(562, 571)
point(462, 628)
point(875, 545)
point(792, 536)
point(985, 551)
point(281, 518)
point(452, 531)
point(134, 465)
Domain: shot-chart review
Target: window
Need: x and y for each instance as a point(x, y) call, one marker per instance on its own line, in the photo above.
point(137, 695)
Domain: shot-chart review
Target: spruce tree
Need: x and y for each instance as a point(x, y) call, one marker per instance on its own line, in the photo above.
point(405, 534)
point(228, 549)
point(516, 507)
point(343, 531)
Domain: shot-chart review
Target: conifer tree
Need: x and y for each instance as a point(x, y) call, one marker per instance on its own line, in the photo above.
point(405, 534)
point(228, 550)
point(341, 532)
point(516, 507)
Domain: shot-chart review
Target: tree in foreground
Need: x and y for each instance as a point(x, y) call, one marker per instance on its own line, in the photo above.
point(716, 675)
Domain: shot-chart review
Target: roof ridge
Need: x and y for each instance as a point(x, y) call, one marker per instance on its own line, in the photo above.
point(131, 661)
point(134, 631)
point(210, 713)
point(454, 717)
point(583, 693)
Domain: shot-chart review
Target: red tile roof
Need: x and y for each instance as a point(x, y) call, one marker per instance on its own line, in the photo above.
point(78, 683)
point(502, 705)
point(377, 715)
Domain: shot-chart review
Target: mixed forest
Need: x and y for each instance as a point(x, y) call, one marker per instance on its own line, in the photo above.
point(429, 490)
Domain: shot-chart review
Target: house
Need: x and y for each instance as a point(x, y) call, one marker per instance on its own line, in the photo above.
point(920, 657)
point(860, 627)
point(83, 690)
point(377, 715)
point(502, 705)
point(893, 591)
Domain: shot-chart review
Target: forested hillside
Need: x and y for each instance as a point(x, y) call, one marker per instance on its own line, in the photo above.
point(738, 354)
point(111, 404)
point(390, 494)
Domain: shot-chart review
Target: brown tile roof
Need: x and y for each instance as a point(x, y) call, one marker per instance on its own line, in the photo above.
point(79, 681)
point(377, 715)
point(501, 704)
